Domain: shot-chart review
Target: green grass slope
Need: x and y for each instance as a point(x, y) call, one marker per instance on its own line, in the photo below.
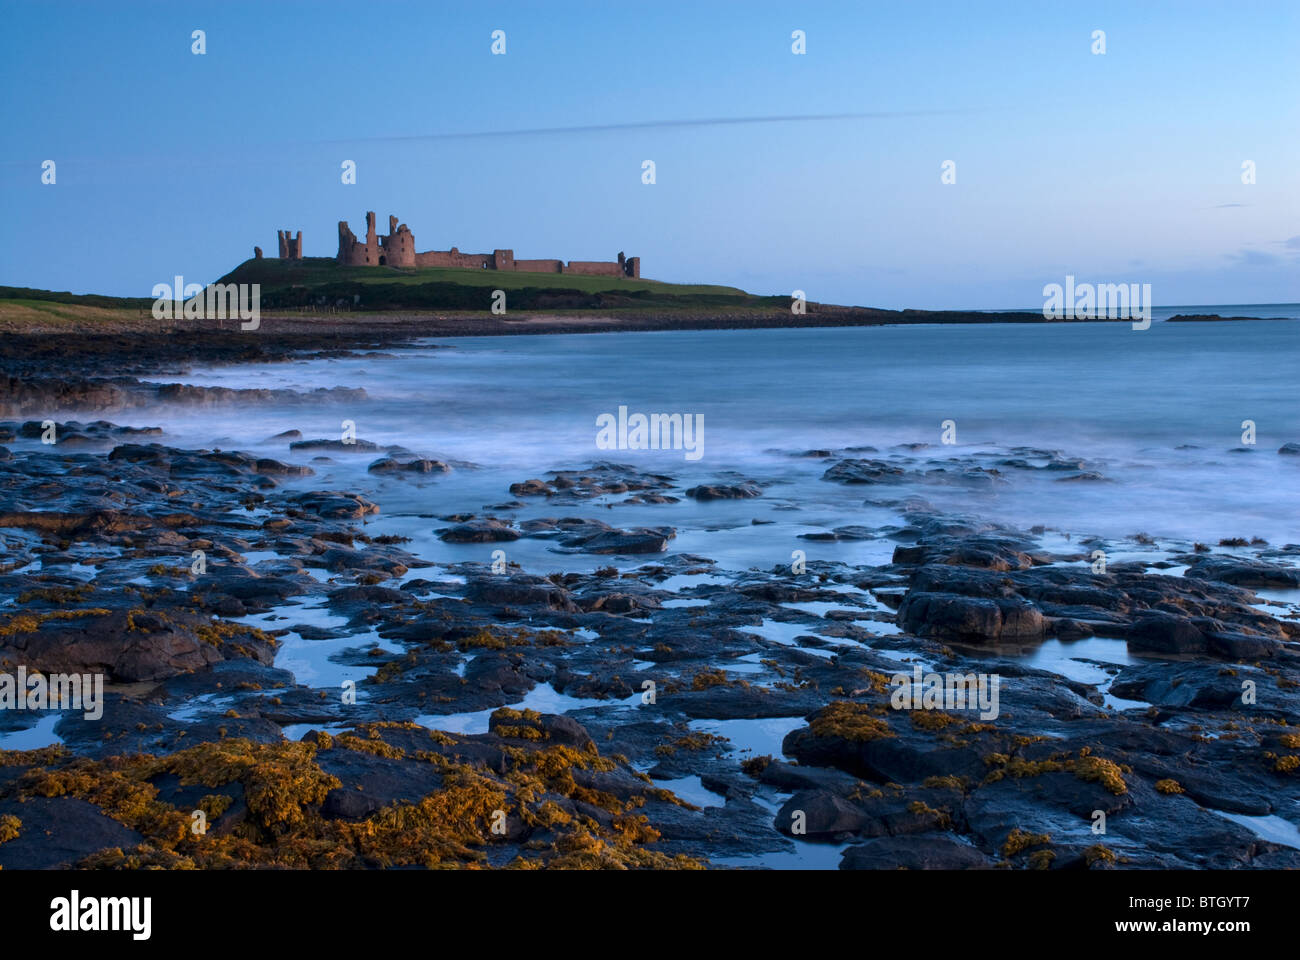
point(32, 297)
point(323, 281)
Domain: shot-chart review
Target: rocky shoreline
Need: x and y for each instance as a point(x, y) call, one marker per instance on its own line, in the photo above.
point(663, 711)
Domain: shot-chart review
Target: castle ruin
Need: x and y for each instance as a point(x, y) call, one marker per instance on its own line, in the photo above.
point(397, 249)
point(290, 247)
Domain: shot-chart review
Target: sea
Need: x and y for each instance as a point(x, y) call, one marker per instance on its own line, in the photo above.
point(1175, 430)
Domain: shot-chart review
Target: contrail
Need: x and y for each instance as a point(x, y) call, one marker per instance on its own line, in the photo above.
point(652, 125)
point(551, 131)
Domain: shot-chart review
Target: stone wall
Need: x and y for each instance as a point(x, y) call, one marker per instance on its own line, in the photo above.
point(454, 258)
point(594, 268)
point(539, 266)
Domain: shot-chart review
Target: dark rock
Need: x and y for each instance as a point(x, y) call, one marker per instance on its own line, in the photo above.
point(971, 619)
point(57, 832)
point(712, 491)
point(480, 531)
point(825, 815)
point(863, 471)
point(1245, 573)
point(914, 853)
point(369, 782)
point(521, 590)
point(339, 446)
point(639, 540)
point(131, 646)
point(1159, 632)
point(418, 465)
point(334, 506)
point(600, 479)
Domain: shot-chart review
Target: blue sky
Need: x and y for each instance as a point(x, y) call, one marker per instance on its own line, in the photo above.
point(1124, 167)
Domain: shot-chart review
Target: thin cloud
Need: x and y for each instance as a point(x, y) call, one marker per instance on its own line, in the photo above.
point(1254, 258)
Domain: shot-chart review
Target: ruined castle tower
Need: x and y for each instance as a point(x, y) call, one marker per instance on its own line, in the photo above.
point(290, 247)
point(629, 266)
point(398, 246)
point(355, 253)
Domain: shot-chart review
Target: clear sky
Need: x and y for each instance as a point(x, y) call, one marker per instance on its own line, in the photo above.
point(1122, 167)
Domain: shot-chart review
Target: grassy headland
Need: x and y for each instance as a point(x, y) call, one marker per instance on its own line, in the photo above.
point(317, 296)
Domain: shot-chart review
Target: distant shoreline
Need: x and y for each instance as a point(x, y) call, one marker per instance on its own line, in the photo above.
point(19, 318)
point(1215, 318)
